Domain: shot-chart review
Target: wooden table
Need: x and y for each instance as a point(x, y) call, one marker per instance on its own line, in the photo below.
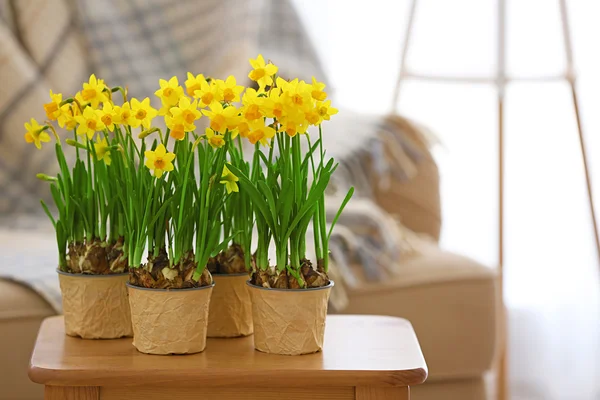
point(364, 357)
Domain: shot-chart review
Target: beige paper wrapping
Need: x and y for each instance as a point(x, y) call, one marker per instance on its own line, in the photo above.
point(169, 321)
point(290, 322)
point(230, 313)
point(95, 306)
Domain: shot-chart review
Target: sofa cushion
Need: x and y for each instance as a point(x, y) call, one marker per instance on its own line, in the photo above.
point(451, 302)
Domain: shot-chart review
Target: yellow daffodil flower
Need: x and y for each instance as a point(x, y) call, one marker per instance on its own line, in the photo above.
point(221, 118)
point(66, 118)
point(294, 123)
point(262, 73)
point(193, 83)
point(229, 180)
point(108, 116)
point(169, 94)
point(297, 95)
point(159, 161)
point(214, 139)
point(102, 150)
point(123, 115)
point(230, 89)
point(243, 129)
point(313, 117)
point(273, 106)
point(36, 133)
point(260, 133)
point(90, 122)
point(317, 92)
point(251, 105)
point(143, 113)
point(325, 110)
point(185, 113)
point(93, 92)
point(208, 93)
point(53, 108)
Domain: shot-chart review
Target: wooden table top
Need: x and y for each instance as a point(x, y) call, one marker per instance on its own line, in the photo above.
point(358, 350)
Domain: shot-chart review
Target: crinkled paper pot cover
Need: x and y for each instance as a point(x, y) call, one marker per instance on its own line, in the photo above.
point(95, 306)
point(290, 322)
point(230, 313)
point(169, 321)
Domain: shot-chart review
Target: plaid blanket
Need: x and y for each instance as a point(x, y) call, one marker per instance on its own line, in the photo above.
point(57, 43)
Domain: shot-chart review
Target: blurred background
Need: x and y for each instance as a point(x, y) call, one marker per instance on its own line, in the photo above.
point(551, 280)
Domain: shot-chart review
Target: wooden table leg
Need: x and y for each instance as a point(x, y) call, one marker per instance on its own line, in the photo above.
point(72, 393)
point(379, 393)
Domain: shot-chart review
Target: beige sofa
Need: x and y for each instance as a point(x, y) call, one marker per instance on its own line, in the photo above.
point(450, 300)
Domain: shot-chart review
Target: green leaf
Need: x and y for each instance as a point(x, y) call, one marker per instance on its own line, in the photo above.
point(339, 212)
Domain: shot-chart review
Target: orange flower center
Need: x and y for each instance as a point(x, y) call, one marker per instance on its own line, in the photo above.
point(50, 109)
point(256, 135)
point(297, 99)
point(257, 74)
point(244, 129)
point(140, 114)
point(189, 116)
point(228, 94)
point(192, 89)
point(207, 98)
point(252, 112)
point(312, 117)
point(178, 132)
point(159, 163)
point(125, 115)
point(216, 124)
point(88, 94)
point(217, 141)
point(107, 119)
point(323, 111)
point(278, 110)
point(91, 124)
point(167, 92)
point(290, 129)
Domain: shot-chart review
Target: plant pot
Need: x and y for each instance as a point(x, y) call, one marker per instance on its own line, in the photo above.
point(95, 306)
point(169, 321)
point(289, 321)
point(230, 313)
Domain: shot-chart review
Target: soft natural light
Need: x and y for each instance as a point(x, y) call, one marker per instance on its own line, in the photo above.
point(551, 266)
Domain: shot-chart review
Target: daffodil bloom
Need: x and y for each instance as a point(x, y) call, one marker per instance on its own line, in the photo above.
point(208, 93)
point(159, 161)
point(185, 113)
point(90, 122)
point(229, 180)
point(36, 133)
point(262, 73)
point(214, 139)
point(243, 129)
point(251, 105)
point(66, 118)
point(108, 116)
point(317, 92)
point(176, 127)
point(294, 123)
point(123, 115)
point(297, 95)
point(193, 83)
point(102, 150)
point(260, 133)
point(143, 113)
point(221, 118)
point(325, 110)
point(230, 89)
point(53, 108)
point(169, 94)
point(93, 92)
point(273, 105)
point(313, 117)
